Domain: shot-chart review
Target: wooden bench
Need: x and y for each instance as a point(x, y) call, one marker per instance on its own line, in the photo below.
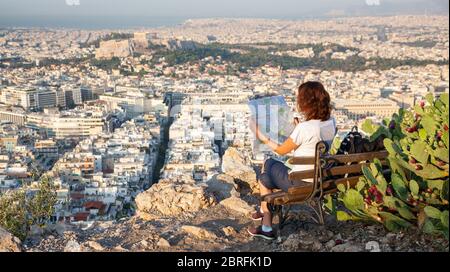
point(329, 171)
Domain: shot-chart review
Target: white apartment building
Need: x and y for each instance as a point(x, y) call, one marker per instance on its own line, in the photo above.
point(29, 98)
point(359, 109)
point(68, 124)
point(43, 98)
point(134, 102)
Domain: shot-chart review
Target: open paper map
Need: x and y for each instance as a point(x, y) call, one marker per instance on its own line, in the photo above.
point(273, 116)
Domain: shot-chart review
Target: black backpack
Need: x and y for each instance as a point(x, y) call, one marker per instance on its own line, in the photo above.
point(354, 143)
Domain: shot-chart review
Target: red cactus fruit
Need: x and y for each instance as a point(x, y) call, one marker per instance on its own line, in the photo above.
point(379, 199)
point(412, 129)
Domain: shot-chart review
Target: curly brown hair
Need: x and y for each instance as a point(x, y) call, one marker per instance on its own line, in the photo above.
point(314, 101)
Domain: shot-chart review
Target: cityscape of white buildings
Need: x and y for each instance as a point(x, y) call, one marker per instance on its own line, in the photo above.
point(100, 133)
point(102, 175)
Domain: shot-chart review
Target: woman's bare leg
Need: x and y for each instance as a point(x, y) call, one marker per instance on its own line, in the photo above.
point(267, 220)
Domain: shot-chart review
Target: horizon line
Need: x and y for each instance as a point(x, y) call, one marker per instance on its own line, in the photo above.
point(183, 19)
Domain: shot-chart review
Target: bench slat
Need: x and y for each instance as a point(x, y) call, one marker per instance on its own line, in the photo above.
point(369, 156)
point(327, 185)
point(333, 185)
point(359, 157)
point(302, 160)
point(333, 171)
point(300, 193)
point(345, 169)
point(288, 198)
point(302, 175)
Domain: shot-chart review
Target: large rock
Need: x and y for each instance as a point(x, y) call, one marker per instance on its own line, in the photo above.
point(223, 186)
point(173, 197)
point(235, 165)
point(8, 242)
point(113, 48)
point(237, 205)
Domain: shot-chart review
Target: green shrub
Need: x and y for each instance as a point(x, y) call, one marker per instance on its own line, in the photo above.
point(23, 208)
point(416, 190)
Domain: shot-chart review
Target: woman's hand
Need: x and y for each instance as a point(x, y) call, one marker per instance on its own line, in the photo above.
point(283, 149)
point(254, 127)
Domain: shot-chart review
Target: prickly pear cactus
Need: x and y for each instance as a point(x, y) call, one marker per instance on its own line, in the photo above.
point(416, 191)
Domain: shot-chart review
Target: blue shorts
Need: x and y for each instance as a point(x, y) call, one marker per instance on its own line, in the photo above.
point(275, 175)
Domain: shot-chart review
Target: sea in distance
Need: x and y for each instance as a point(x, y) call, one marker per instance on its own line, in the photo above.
point(89, 22)
point(125, 22)
point(105, 22)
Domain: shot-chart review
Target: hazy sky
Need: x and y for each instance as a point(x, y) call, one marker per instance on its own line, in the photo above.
point(217, 8)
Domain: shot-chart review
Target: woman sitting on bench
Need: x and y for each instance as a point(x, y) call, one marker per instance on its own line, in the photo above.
point(313, 102)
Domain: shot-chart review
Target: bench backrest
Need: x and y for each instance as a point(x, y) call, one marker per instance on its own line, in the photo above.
point(331, 170)
point(353, 164)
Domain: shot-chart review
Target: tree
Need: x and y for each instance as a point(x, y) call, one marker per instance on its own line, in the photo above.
point(23, 208)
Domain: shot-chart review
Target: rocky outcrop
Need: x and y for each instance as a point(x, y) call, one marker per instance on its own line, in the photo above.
point(235, 165)
point(113, 48)
point(8, 242)
point(216, 229)
point(173, 197)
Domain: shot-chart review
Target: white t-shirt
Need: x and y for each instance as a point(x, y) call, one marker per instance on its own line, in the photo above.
point(307, 135)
